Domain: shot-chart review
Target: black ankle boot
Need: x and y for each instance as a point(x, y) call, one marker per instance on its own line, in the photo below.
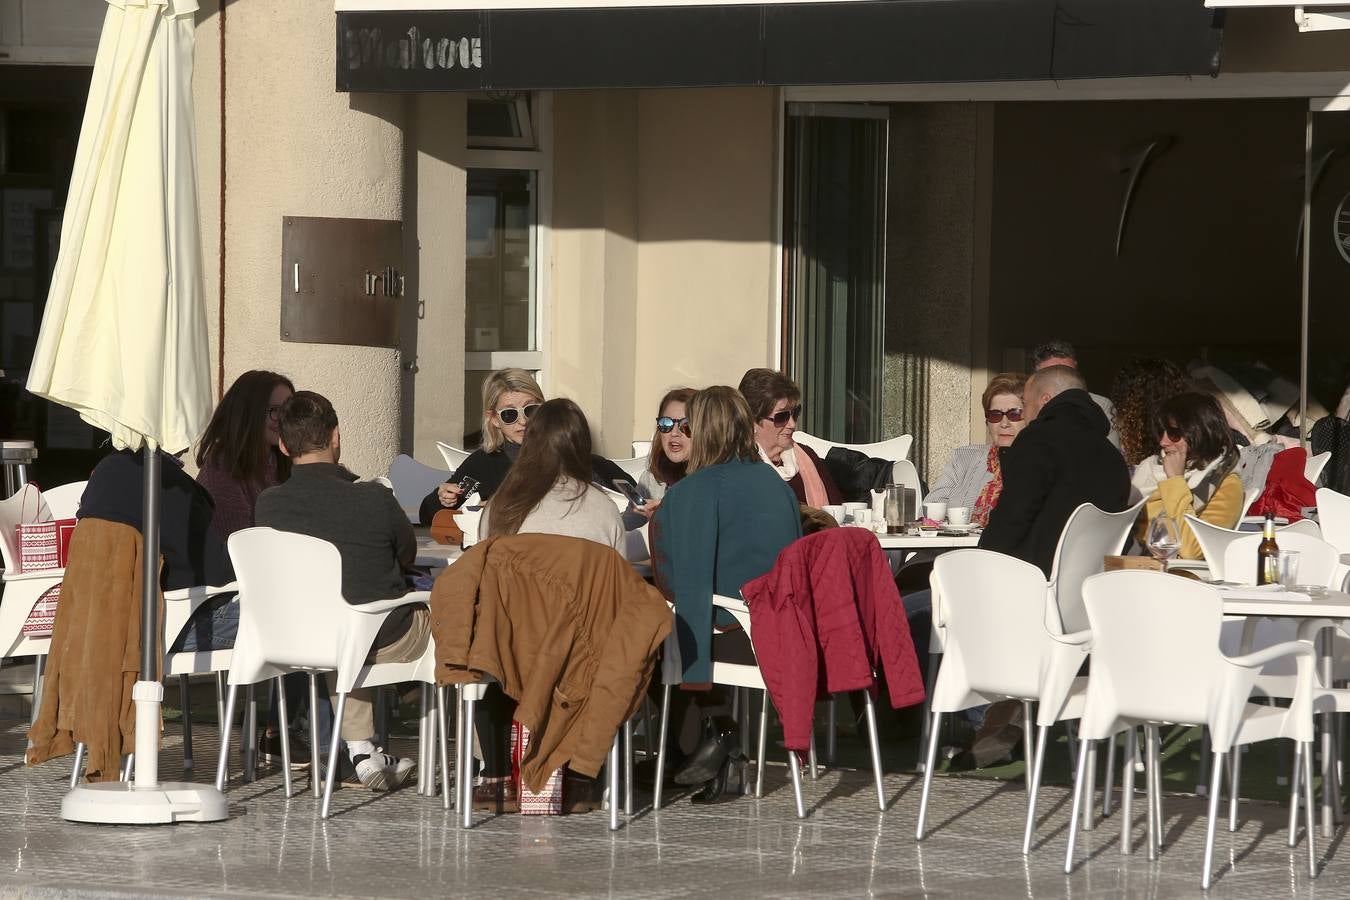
point(727, 784)
point(720, 738)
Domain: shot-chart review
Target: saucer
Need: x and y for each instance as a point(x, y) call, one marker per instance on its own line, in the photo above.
point(947, 526)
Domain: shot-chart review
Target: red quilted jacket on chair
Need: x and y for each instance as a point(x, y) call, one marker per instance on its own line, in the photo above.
point(824, 620)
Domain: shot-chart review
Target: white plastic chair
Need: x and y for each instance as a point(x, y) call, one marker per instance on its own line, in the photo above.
point(453, 456)
point(1312, 469)
point(992, 603)
point(1155, 661)
point(412, 481)
point(642, 448)
point(1333, 515)
point(634, 467)
point(293, 618)
point(894, 449)
point(1318, 561)
point(1214, 540)
point(904, 472)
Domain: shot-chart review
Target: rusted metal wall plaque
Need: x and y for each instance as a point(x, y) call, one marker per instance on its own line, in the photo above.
point(342, 281)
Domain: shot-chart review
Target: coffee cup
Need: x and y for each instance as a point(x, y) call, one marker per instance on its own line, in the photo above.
point(852, 509)
point(935, 510)
point(958, 515)
point(835, 512)
point(861, 517)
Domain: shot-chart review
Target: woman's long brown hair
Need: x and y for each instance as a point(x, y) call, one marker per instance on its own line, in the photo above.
point(234, 441)
point(559, 446)
point(666, 470)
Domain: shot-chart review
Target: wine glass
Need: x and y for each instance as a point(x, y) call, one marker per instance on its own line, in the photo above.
point(1164, 538)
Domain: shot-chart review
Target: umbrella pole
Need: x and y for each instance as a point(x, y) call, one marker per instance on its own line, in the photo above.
point(148, 693)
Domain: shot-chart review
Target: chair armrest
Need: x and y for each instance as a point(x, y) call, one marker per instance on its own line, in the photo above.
point(54, 574)
point(378, 607)
point(201, 591)
point(734, 604)
point(1265, 655)
point(1081, 639)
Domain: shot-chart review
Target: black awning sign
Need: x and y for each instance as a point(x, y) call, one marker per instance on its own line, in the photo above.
point(447, 51)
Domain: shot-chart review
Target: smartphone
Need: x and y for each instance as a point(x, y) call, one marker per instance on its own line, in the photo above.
point(468, 484)
point(629, 490)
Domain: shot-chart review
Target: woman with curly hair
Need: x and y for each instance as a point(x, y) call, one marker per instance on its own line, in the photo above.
point(1140, 388)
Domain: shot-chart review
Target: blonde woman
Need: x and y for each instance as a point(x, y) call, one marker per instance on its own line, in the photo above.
point(510, 398)
point(720, 526)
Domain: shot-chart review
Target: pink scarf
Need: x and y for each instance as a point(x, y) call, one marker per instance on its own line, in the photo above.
point(790, 465)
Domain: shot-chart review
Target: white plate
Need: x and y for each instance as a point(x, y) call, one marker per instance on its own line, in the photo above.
point(970, 526)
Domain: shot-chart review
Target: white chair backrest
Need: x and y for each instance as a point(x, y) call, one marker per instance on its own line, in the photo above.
point(642, 448)
point(991, 602)
point(894, 449)
point(634, 467)
point(1249, 497)
point(1088, 538)
point(291, 610)
point(453, 456)
point(1312, 469)
point(1214, 541)
point(413, 480)
point(63, 501)
point(1317, 561)
point(1155, 648)
point(1333, 515)
point(904, 472)
point(25, 506)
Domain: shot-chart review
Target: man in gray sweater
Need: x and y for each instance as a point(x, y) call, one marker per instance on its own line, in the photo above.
point(375, 540)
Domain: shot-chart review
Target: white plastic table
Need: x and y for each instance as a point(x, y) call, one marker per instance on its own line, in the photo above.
point(1334, 605)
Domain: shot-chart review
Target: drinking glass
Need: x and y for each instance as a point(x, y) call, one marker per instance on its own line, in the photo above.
point(1289, 569)
point(1164, 538)
point(895, 508)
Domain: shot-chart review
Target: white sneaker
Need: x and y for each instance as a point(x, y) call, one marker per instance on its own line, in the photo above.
point(380, 771)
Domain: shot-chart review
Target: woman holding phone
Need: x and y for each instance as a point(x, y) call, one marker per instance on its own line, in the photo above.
point(669, 457)
point(510, 398)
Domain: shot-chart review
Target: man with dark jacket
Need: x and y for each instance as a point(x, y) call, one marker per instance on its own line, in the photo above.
point(372, 535)
point(1061, 460)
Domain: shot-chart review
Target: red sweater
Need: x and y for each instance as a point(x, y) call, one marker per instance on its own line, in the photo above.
point(830, 599)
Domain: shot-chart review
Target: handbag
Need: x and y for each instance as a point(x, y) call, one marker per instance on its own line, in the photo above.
point(444, 528)
point(42, 617)
point(42, 545)
point(549, 801)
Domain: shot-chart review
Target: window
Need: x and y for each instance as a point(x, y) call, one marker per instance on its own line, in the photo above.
point(501, 120)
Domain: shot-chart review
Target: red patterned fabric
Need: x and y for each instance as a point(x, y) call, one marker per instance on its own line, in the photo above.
point(988, 499)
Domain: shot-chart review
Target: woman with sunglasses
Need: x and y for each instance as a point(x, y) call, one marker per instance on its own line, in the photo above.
point(1195, 471)
point(720, 526)
point(972, 478)
point(669, 456)
point(510, 398)
point(776, 403)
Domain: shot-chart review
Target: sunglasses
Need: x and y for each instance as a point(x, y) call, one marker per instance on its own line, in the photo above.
point(994, 416)
point(665, 425)
point(1173, 433)
point(510, 414)
point(779, 419)
point(274, 413)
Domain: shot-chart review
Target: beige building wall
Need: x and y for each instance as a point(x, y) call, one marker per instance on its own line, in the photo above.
point(294, 146)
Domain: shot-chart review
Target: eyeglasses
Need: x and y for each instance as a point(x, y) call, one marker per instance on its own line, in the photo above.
point(1173, 433)
point(665, 425)
point(779, 419)
point(994, 416)
point(274, 413)
point(511, 413)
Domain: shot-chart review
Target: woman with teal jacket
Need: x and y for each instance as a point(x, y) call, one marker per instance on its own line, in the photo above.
point(719, 527)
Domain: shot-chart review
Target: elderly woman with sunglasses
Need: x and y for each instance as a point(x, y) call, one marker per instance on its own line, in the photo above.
point(973, 478)
point(510, 397)
point(1195, 472)
point(776, 403)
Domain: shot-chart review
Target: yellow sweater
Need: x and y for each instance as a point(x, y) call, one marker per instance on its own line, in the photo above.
point(1173, 496)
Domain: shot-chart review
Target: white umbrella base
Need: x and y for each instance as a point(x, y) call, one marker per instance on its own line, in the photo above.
point(118, 803)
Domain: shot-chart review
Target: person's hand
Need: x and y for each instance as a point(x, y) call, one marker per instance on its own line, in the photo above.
point(648, 509)
point(1174, 460)
point(450, 495)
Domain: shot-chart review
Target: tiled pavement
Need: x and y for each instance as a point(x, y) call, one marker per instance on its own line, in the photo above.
point(403, 845)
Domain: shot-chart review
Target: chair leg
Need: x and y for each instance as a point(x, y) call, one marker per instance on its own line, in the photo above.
point(1036, 763)
point(832, 732)
point(1090, 794)
point(1234, 780)
point(315, 748)
point(220, 698)
point(763, 742)
point(1152, 777)
point(185, 704)
point(129, 767)
point(1127, 792)
point(466, 761)
point(1309, 822)
point(874, 744)
point(614, 782)
point(284, 719)
point(1294, 787)
point(443, 744)
point(1215, 778)
point(425, 774)
point(934, 727)
point(795, 769)
point(223, 763)
point(1202, 782)
point(79, 764)
point(1028, 751)
point(628, 767)
point(1078, 792)
point(811, 756)
point(333, 745)
point(928, 702)
point(248, 734)
point(1110, 777)
point(661, 749)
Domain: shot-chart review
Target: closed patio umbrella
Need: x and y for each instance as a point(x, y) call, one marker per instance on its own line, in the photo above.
point(123, 339)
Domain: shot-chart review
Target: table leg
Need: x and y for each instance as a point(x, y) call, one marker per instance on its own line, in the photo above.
point(1330, 790)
